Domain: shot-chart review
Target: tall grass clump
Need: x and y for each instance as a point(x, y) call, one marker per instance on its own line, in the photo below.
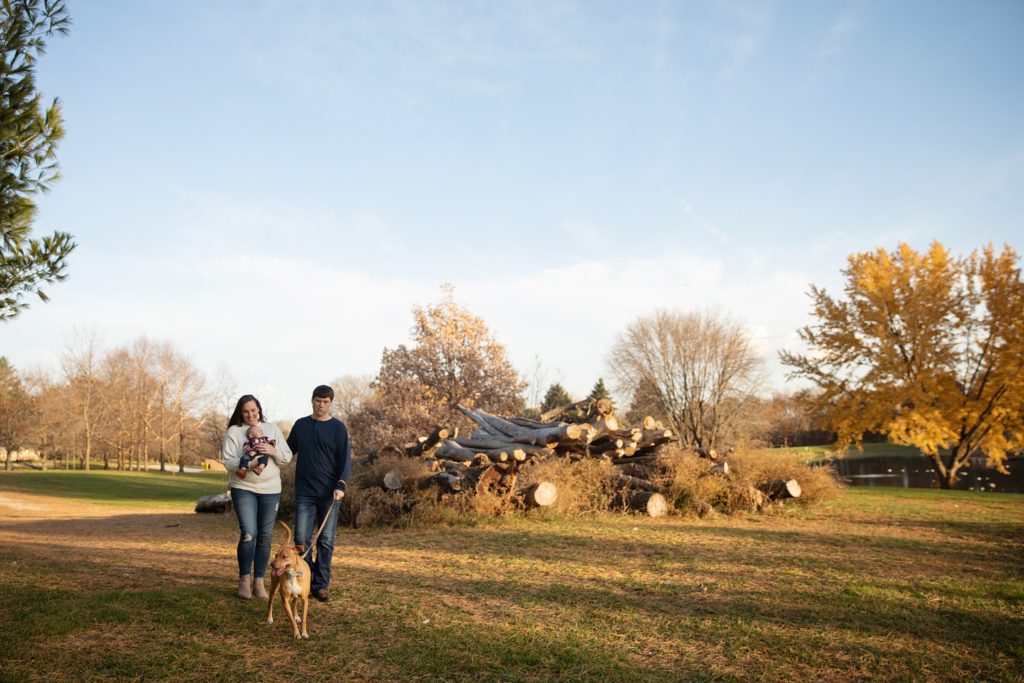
point(693, 487)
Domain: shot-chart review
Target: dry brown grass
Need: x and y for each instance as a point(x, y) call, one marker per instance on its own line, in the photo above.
point(857, 589)
point(587, 487)
point(583, 487)
point(692, 488)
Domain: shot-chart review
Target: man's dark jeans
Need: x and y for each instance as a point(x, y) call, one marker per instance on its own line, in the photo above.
point(309, 514)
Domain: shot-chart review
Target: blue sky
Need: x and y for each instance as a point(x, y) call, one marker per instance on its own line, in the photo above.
point(271, 186)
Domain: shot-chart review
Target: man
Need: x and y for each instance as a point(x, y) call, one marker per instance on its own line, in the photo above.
point(323, 461)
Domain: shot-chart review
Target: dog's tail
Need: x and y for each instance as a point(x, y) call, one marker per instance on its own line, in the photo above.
point(288, 529)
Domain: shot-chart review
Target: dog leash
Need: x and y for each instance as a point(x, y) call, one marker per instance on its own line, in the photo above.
point(312, 543)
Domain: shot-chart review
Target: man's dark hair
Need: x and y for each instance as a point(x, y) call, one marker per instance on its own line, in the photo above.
point(236, 417)
point(323, 391)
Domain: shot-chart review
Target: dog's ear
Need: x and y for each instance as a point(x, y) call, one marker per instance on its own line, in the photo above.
point(298, 549)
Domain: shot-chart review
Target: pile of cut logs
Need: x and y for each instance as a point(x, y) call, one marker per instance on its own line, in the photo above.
point(491, 458)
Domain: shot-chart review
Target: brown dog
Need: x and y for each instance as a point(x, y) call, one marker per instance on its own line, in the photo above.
point(290, 574)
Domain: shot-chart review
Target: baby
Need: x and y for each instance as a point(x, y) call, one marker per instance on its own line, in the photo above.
point(251, 453)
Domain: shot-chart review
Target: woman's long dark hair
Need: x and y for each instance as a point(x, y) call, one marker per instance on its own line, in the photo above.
point(236, 417)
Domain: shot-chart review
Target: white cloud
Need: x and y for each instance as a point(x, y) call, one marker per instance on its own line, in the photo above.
point(283, 325)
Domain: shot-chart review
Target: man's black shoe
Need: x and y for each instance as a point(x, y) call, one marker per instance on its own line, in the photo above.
point(321, 595)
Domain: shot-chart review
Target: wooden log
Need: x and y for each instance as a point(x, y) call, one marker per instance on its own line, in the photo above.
point(541, 494)
point(602, 424)
point(218, 503)
point(393, 479)
point(488, 479)
point(635, 469)
point(491, 422)
point(605, 444)
point(650, 437)
point(450, 450)
point(588, 432)
point(604, 406)
point(721, 469)
point(780, 489)
point(539, 437)
point(627, 433)
point(635, 458)
point(454, 465)
point(534, 424)
point(555, 412)
point(428, 443)
point(628, 482)
point(445, 481)
point(386, 451)
point(556, 434)
point(478, 445)
point(647, 502)
point(649, 422)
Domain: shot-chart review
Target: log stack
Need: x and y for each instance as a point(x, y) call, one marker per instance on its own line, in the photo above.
point(489, 460)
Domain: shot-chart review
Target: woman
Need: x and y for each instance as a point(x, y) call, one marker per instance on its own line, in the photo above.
point(255, 496)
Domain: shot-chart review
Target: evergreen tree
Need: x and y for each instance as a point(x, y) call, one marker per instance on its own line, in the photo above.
point(556, 397)
point(28, 144)
point(599, 391)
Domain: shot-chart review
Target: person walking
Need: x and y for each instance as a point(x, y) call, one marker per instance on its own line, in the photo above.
point(254, 496)
point(323, 462)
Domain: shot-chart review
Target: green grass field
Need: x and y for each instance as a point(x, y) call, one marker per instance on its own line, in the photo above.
point(879, 585)
point(127, 489)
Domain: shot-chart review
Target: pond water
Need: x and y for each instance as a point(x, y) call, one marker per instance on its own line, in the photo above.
point(915, 471)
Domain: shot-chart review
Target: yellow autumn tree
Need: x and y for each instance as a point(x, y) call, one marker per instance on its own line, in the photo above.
point(925, 347)
point(453, 359)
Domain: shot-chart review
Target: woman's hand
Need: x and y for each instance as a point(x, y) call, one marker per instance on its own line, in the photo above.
point(266, 449)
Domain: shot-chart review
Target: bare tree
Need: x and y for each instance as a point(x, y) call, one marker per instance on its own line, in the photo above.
point(698, 368)
point(81, 365)
point(351, 394)
point(187, 384)
point(16, 411)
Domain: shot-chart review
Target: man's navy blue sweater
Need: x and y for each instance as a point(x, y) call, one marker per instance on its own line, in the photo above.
point(322, 455)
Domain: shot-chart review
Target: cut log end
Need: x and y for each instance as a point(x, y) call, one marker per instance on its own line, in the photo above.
point(645, 502)
point(541, 494)
point(394, 479)
point(781, 489)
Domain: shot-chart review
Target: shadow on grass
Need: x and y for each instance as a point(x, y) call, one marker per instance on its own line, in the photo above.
point(540, 604)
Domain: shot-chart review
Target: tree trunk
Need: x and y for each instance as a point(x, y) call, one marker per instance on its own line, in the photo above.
point(780, 489)
point(219, 503)
point(450, 450)
point(429, 443)
point(635, 483)
point(647, 502)
point(394, 479)
point(541, 494)
point(478, 445)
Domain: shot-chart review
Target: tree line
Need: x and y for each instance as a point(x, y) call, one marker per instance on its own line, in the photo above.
point(128, 407)
point(924, 349)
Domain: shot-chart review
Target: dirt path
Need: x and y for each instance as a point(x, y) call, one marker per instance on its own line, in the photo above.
point(82, 540)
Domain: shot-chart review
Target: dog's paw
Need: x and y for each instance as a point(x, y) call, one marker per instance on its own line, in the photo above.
point(305, 635)
point(270, 620)
point(298, 619)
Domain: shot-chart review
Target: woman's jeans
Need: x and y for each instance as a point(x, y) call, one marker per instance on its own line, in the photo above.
point(256, 513)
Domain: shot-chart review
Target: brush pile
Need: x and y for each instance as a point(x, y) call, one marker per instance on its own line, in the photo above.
point(576, 458)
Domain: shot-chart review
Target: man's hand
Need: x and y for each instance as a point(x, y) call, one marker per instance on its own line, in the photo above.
point(338, 494)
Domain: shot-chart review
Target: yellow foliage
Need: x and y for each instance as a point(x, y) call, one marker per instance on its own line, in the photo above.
point(925, 347)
